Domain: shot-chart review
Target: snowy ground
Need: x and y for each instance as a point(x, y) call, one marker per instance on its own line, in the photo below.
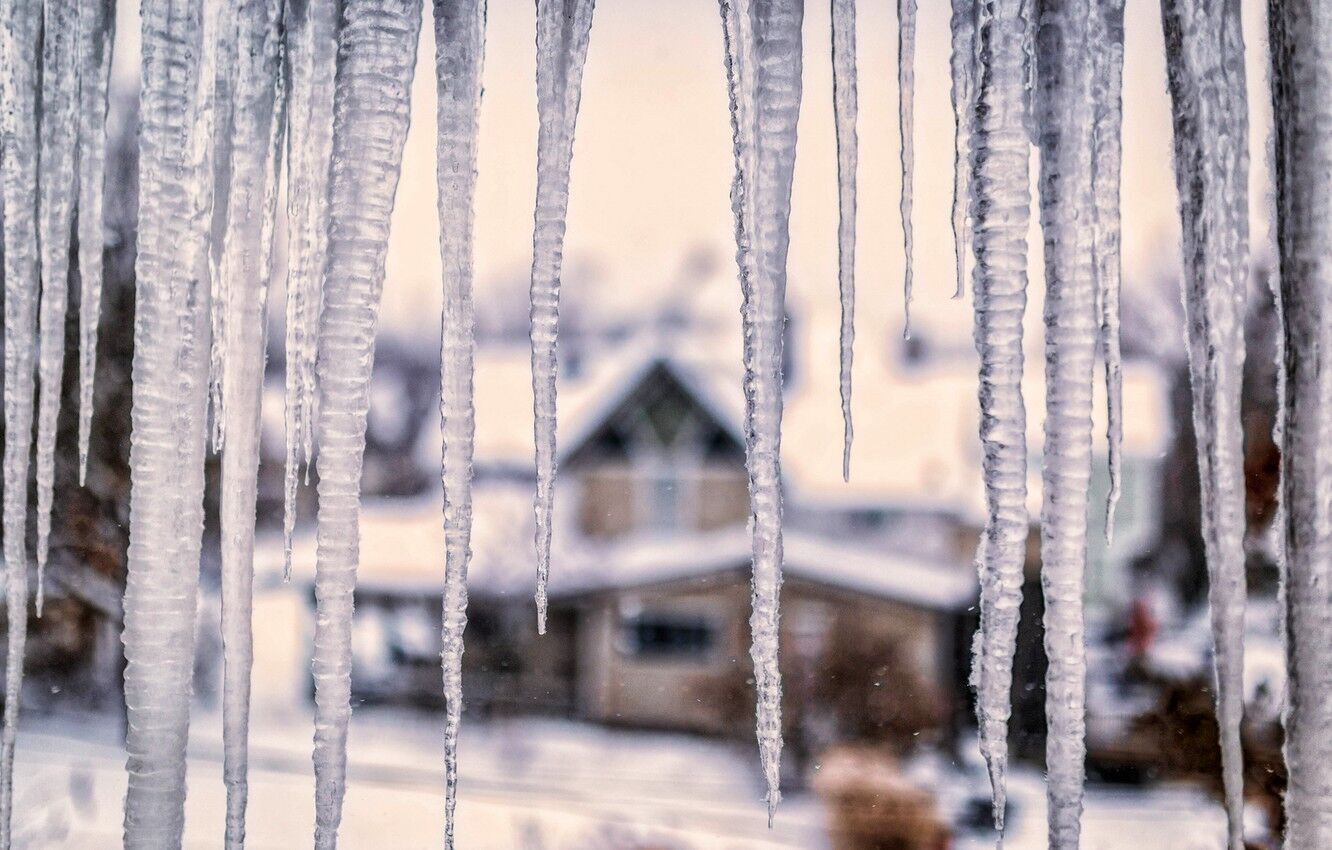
point(526, 785)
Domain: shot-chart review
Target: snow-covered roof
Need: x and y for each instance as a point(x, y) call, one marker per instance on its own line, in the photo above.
point(503, 387)
point(402, 550)
point(852, 567)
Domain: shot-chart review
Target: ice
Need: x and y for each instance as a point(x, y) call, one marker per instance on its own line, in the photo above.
point(20, 25)
point(224, 94)
point(1064, 115)
point(1302, 107)
point(1000, 213)
point(763, 63)
point(170, 374)
point(57, 189)
point(372, 110)
point(906, 95)
point(311, 54)
point(257, 103)
point(562, 30)
point(96, 35)
point(844, 105)
point(1107, 153)
point(1205, 71)
point(962, 64)
point(460, 27)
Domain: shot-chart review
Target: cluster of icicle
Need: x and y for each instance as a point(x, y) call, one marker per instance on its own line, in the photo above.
point(55, 60)
point(234, 91)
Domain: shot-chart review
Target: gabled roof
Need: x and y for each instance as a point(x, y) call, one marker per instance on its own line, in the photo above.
point(503, 387)
point(916, 427)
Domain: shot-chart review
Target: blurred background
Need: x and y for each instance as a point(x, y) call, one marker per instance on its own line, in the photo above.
point(629, 726)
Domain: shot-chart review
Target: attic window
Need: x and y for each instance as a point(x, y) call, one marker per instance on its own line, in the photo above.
point(669, 636)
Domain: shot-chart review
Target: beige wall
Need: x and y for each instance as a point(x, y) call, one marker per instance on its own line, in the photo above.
point(609, 503)
point(708, 694)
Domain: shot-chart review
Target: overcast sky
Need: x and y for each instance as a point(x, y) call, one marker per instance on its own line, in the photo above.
point(652, 162)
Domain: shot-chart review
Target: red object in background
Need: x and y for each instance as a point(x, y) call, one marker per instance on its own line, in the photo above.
point(1142, 628)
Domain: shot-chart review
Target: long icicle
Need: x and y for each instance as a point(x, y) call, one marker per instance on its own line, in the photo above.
point(372, 111)
point(224, 95)
point(1064, 117)
point(460, 28)
point(1107, 89)
point(1300, 33)
point(1000, 212)
point(57, 188)
point(1205, 71)
point(906, 128)
point(962, 65)
point(20, 28)
point(96, 37)
point(311, 55)
point(844, 108)
point(170, 377)
point(562, 30)
point(763, 61)
point(246, 266)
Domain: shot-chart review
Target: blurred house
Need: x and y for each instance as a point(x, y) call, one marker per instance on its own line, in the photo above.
point(649, 585)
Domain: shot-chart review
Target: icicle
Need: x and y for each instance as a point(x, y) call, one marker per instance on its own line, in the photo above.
point(844, 105)
point(96, 36)
point(460, 27)
point(57, 189)
point(1107, 89)
point(1205, 70)
point(906, 96)
point(245, 268)
point(562, 31)
point(311, 49)
point(763, 63)
point(963, 67)
point(20, 28)
point(1000, 212)
point(1064, 116)
point(169, 431)
point(1302, 107)
point(372, 110)
point(224, 93)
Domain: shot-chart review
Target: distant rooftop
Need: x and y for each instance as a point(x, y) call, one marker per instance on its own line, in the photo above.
point(916, 425)
point(402, 551)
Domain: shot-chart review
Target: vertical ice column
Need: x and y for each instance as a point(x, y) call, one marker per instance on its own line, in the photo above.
point(20, 26)
point(1000, 214)
point(1107, 89)
point(57, 187)
point(962, 66)
point(311, 55)
point(1064, 118)
point(170, 375)
point(96, 37)
point(460, 27)
point(562, 30)
point(246, 265)
point(844, 108)
point(1302, 105)
point(763, 63)
point(372, 110)
point(1205, 71)
point(906, 98)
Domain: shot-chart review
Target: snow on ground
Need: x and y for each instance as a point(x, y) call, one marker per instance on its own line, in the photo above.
point(527, 784)
point(1115, 818)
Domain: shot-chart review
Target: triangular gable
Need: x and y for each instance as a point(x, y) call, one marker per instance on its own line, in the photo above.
point(649, 388)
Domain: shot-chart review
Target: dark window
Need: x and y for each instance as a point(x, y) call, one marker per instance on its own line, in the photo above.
point(658, 636)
